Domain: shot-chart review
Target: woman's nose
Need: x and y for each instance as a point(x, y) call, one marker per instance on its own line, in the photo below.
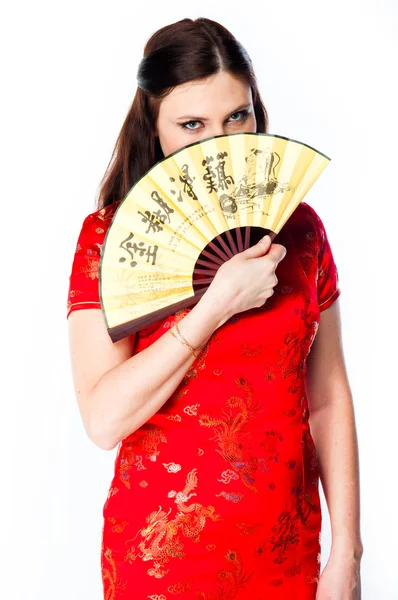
point(214, 130)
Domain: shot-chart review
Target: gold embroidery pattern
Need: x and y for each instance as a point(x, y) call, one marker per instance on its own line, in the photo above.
point(161, 536)
point(117, 527)
point(111, 583)
point(296, 347)
point(87, 259)
point(172, 467)
point(246, 529)
point(138, 463)
point(150, 442)
point(112, 492)
point(90, 269)
point(336, 291)
point(180, 587)
point(227, 476)
point(229, 580)
point(128, 458)
point(74, 293)
point(192, 411)
point(229, 434)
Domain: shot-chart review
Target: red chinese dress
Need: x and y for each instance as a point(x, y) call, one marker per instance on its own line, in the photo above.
point(216, 496)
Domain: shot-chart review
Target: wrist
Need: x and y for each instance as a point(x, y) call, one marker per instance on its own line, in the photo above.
point(347, 546)
point(217, 305)
point(199, 324)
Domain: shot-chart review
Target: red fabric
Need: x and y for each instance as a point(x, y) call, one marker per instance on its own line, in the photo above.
point(216, 496)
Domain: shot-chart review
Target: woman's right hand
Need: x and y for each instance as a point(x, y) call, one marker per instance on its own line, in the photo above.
point(248, 278)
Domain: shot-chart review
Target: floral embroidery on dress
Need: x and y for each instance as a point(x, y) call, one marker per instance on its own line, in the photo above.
point(128, 458)
point(229, 580)
point(90, 269)
point(153, 437)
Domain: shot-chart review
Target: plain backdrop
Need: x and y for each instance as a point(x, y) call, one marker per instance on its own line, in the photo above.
point(327, 72)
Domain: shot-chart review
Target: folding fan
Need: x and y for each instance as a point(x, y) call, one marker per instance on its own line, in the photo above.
point(192, 211)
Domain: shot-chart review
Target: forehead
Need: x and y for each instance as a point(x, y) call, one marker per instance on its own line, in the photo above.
point(218, 94)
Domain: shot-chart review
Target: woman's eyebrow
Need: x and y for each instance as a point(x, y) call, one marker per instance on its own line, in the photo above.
point(192, 117)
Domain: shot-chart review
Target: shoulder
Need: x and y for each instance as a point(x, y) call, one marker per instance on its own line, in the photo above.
point(83, 279)
point(302, 238)
point(91, 238)
point(305, 225)
point(94, 227)
point(304, 217)
point(101, 218)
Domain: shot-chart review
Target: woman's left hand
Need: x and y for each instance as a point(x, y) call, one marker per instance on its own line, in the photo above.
point(340, 579)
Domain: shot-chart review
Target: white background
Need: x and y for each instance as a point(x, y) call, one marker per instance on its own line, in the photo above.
point(327, 72)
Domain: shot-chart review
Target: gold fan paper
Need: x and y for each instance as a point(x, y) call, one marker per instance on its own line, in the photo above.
point(192, 211)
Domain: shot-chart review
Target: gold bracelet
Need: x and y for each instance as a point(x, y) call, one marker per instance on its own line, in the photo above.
point(184, 341)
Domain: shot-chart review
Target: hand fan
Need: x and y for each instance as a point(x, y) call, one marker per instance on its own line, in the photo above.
point(192, 211)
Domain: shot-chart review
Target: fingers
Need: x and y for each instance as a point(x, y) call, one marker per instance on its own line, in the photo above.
point(277, 252)
point(258, 249)
point(265, 247)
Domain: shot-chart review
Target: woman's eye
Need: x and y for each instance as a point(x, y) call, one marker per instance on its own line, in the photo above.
point(243, 114)
point(185, 125)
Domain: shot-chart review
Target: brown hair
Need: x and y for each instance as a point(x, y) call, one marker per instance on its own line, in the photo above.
point(175, 54)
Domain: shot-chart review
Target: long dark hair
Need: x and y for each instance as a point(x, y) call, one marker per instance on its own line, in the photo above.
point(175, 54)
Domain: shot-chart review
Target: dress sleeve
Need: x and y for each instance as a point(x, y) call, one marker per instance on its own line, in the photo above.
point(83, 281)
point(328, 289)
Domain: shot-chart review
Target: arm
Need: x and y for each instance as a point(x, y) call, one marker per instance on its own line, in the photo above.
point(118, 392)
point(332, 423)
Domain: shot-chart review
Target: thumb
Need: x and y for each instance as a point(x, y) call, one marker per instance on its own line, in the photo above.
point(259, 249)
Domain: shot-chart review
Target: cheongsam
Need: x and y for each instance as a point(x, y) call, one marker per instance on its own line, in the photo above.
point(216, 496)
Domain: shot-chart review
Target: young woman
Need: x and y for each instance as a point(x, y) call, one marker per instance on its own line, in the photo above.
point(215, 488)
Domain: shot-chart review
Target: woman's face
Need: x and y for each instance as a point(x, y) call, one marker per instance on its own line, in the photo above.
point(217, 105)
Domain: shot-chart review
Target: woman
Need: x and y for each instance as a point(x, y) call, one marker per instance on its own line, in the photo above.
point(218, 409)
